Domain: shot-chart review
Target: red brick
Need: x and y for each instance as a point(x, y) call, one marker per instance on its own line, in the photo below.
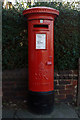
point(66, 92)
point(59, 87)
point(69, 87)
point(60, 96)
point(69, 96)
point(8, 83)
point(24, 93)
point(74, 82)
point(75, 72)
point(64, 82)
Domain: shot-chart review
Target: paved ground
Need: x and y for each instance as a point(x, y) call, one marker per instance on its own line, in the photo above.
point(60, 111)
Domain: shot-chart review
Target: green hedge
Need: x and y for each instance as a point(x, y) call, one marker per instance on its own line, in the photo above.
point(14, 39)
point(66, 38)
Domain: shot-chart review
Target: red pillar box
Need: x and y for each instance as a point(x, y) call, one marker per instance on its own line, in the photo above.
point(41, 57)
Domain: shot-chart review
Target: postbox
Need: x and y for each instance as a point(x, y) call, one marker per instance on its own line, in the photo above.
point(41, 57)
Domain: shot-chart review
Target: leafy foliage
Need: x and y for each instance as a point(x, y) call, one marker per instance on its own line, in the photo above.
point(66, 38)
point(14, 40)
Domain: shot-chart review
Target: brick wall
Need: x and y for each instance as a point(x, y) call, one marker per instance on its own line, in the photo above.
point(78, 93)
point(65, 85)
point(15, 85)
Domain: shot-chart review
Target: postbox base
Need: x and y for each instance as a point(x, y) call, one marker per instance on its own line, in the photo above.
point(41, 102)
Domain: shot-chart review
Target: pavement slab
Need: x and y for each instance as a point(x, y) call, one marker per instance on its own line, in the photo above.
point(8, 113)
point(59, 111)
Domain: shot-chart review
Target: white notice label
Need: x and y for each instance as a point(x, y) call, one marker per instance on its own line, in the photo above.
point(40, 41)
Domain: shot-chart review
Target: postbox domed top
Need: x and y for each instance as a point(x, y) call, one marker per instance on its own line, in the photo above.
point(35, 10)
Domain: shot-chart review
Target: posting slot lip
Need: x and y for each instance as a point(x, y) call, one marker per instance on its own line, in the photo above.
point(41, 27)
point(45, 26)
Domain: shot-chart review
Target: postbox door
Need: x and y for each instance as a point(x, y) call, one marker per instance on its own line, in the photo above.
point(41, 60)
